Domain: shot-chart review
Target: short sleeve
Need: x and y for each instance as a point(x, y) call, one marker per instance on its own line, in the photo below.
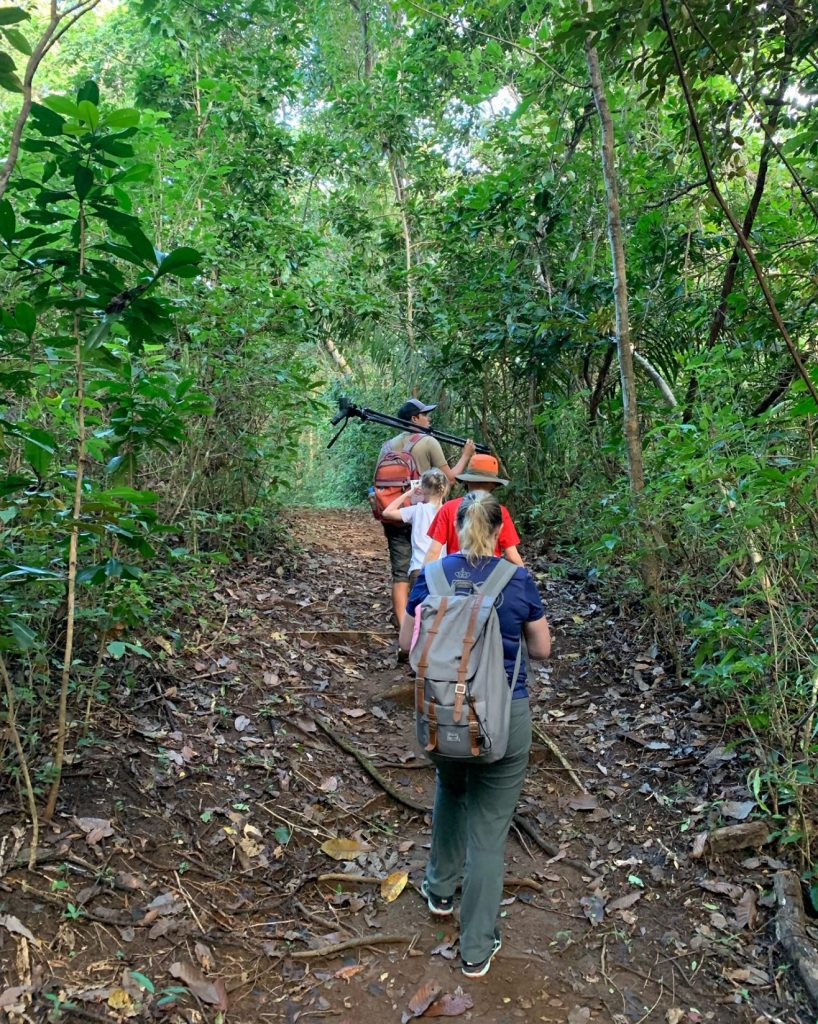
point(532, 598)
point(438, 529)
point(509, 538)
point(420, 591)
point(436, 456)
point(407, 513)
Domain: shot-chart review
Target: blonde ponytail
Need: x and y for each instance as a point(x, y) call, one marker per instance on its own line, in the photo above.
point(479, 517)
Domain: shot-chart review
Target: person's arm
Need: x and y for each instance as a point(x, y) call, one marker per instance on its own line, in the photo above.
point(466, 452)
point(392, 511)
point(433, 553)
point(537, 638)
point(407, 628)
point(513, 555)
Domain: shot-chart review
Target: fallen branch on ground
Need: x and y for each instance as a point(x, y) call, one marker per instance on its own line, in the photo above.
point(731, 837)
point(340, 947)
point(555, 750)
point(790, 929)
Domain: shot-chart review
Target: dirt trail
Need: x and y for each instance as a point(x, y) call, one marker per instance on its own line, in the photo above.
point(214, 790)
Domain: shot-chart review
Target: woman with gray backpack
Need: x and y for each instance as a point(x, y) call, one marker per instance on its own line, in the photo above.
point(477, 616)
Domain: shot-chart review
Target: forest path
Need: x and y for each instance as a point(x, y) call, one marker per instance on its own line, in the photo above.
point(213, 791)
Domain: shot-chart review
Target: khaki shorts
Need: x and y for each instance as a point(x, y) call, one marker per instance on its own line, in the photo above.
point(399, 539)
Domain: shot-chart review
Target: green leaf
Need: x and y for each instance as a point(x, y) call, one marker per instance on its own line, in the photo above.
point(88, 113)
point(126, 117)
point(100, 332)
point(184, 256)
point(25, 318)
point(142, 981)
point(8, 224)
point(83, 181)
point(88, 91)
point(12, 483)
point(141, 244)
point(61, 105)
point(24, 636)
point(11, 15)
point(18, 40)
point(39, 448)
point(10, 82)
point(6, 62)
point(282, 834)
point(116, 649)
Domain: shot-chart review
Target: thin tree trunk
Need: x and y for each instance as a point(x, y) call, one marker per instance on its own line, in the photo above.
point(795, 355)
point(630, 411)
point(73, 545)
point(11, 722)
point(602, 376)
point(396, 169)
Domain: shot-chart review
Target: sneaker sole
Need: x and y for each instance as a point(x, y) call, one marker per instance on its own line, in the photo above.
point(436, 911)
point(485, 967)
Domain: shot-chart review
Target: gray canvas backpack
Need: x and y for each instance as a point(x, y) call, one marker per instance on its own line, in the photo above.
point(462, 694)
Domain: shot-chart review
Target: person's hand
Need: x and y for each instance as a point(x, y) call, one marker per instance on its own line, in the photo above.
point(469, 448)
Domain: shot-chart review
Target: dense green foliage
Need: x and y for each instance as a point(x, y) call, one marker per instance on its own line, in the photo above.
point(273, 203)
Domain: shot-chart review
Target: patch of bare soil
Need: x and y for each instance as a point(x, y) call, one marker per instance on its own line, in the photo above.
point(184, 878)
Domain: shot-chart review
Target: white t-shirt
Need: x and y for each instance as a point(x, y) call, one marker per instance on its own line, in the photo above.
point(420, 516)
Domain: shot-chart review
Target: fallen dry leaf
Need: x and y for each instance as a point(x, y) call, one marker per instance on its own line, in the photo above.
point(579, 1015)
point(393, 885)
point(208, 991)
point(723, 888)
point(353, 712)
point(447, 948)
point(204, 956)
point(15, 926)
point(674, 1015)
point(585, 802)
point(346, 973)
point(421, 1000)
point(746, 909)
point(95, 829)
point(330, 784)
point(624, 902)
point(747, 976)
point(451, 1004)
point(740, 810)
point(343, 849)
point(699, 844)
point(120, 1000)
point(241, 723)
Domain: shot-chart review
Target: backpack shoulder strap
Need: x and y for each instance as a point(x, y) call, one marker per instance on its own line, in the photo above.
point(412, 441)
point(436, 579)
point(499, 577)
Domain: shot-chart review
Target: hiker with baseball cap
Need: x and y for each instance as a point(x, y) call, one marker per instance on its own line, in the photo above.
point(424, 452)
point(482, 474)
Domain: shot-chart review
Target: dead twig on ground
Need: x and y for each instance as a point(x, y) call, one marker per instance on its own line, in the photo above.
point(555, 750)
point(791, 932)
point(340, 947)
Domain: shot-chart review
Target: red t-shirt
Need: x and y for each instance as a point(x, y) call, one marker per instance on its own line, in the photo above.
point(443, 528)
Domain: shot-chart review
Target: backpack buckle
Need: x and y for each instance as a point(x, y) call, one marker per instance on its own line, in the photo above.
point(460, 688)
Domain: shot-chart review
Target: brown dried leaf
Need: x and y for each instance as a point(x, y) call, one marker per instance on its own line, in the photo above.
point(15, 926)
point(624, 902)
point(675, 1015)
point(729, 889)
point(353, 712)
point(699, 844)
point(579, 1015)
point(747, 976)
point(347, 973)
point(585, 802)
point(447, 948)
point(421, 1000)
point(393, 885)
point(94, 829)
point(343, 849)
point(594, 908)
point(208, 991)
point(204, 956)
point(740, 810)
point(746, 909)
point(451, 1004)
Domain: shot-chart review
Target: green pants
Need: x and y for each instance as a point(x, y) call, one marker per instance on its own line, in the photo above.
point(474, 805)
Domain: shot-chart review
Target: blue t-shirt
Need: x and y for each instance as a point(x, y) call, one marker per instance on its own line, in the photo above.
point(519, 603)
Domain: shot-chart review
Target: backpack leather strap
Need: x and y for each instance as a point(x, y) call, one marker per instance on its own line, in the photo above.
point(474, 733)
point(432, 715)
point(423, 663)
point(468, 643)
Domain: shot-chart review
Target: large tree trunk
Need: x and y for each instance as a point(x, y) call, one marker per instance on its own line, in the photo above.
point(630, 411)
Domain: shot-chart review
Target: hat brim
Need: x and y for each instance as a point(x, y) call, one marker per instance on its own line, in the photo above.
point(480, 478)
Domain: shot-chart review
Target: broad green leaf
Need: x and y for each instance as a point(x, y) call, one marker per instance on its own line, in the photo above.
point(18, 40)
point(7, 221)
point(184, 256)
point(129, 494)
point(25, 318)
point(61, 105)
point(127, 117)
point(88, 113)
point(12, 483)
point(24, 636)
point(6, 62)
point(142, 981)
point(10, 82)
point(88, 91)
point(12, 15)
point(83, 181)
point(136, 172)
point(100, 332)
point(141, 244)
point(39, 448)
point(116, 648)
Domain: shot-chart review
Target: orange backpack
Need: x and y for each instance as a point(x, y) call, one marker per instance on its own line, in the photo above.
point(394, 474)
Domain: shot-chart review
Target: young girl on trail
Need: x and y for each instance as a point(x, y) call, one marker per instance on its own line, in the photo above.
point(474, 803)
point(434, 487)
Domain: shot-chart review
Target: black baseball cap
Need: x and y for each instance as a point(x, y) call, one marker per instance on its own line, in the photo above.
point(413, 407)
